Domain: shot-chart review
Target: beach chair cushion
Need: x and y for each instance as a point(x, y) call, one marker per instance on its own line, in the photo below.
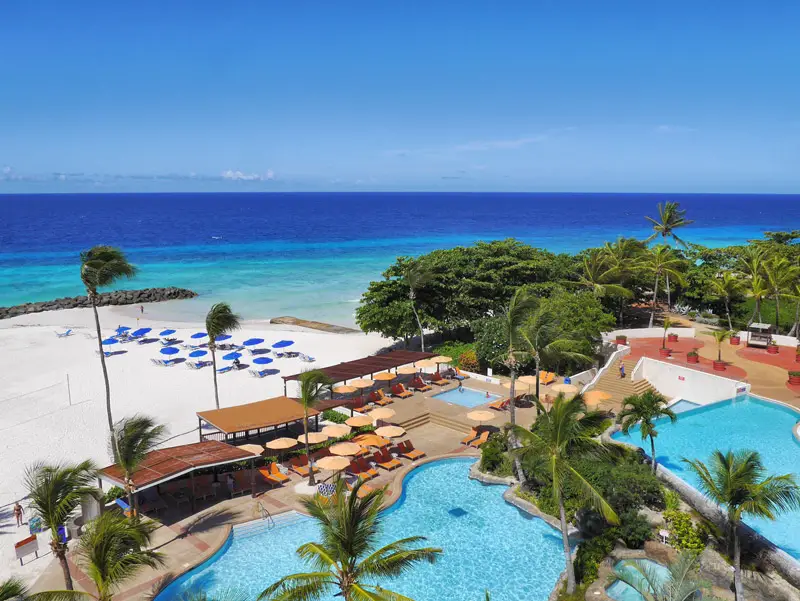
point(480, 440)
point(399, 390)
point(408, 451)
point(470, 437)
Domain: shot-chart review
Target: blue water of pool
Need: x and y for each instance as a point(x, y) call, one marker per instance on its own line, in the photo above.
point(621, 591)
point(466, 397)
point(738, 424)
point(487, 545)
point(683, 405)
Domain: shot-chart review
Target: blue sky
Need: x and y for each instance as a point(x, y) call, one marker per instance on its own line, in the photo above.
point(390, 95)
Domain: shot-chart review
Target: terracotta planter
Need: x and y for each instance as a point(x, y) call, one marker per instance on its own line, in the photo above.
point(720, 365)
point(794, 379)
point(672, 338)
point(692, 359)
point(797, 358)
point(773, 349)
point(622, 340)
point(735, 340)
point(665, 352)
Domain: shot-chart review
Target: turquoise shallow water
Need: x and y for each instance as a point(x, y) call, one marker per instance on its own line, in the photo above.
point(312, 255)
point(487, 543)
point(744, 423)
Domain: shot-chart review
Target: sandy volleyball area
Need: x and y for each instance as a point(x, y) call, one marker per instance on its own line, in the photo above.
point(52, 403)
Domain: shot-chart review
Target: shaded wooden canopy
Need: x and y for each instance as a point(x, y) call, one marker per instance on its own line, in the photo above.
point(253, 416)
point(165, 464)
point(368, 365)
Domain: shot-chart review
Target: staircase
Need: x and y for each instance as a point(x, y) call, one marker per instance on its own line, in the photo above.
point(437, 419)
point(620, 388)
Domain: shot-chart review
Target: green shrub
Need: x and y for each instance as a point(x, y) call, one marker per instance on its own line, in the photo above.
point(591, 554)
point(672, 500)
point(468, 361)
point(114, 493)
point(493, 454)
point(600, 428)
point(692, 314)
point(684, 536)
point(334, 416)
point(794, 373)
point(634, 529)
point(455, 350)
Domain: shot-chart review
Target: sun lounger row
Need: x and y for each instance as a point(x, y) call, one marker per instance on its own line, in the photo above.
point(475, 439)
point(163, 362)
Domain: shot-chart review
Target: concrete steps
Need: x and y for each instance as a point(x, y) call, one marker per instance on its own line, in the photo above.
point(436, 419)
point(620, 388)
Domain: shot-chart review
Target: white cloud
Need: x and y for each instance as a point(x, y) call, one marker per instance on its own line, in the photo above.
point(499, 144)
point(673, 129)
point(248, 177)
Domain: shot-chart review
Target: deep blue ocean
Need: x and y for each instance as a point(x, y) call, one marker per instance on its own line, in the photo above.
point(311, 255)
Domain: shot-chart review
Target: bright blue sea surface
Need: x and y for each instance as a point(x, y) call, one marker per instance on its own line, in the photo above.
point(312, 255)
point(745, 423)
point(487, 545)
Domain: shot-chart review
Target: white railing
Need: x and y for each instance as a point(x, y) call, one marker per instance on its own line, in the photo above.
point(615, 356)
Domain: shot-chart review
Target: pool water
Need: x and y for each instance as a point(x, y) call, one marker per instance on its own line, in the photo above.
point(466, 397)
point(621, 591)
point(683, 405)
point(487, 545)
point(744, 423)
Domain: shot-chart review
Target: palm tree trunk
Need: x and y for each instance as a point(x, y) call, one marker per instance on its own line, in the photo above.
point(728, 314)
point(311, 480)
point(777, 314)
point(105, 375)
point(567, 550)
point(511, 392)
point(419, 324)
point(795, 329)
point(537, 384)
point(669, 297)
point(653, 453)
point(621, 310)
point(60, 551)
point(212, 348)
point(738, 588)
point(653, 309)
point(758, 310)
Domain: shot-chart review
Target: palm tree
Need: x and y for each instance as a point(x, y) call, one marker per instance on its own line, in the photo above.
point(661, 261)
point(668, 323)
point(738, 481)
point(758, 288)
point(111, 550)
point(102, 266)
point(517, 350)
point(345, 560)
point(133, 438)
point(55, 491)
point(415, 275)
point(314, 385)
point(559, 435)
point(751, 265)
point(644, 409)
point(721, 336)
point(680, 585)
point(780, 275)
point(220, 319)
point(622, 257)
point(670, 218)
point(600, 275)
point(13, 589)
point(726, 288)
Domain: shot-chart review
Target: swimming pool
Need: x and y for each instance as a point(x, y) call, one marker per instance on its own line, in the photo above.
point(743, 423)
point(620, 591)
point(487, 544)
point(466, 397)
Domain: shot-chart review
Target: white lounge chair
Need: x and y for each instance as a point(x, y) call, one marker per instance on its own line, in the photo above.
point(258, 373)
point(307, 358)
point(64, 334)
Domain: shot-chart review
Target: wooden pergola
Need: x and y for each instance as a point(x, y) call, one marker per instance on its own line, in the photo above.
point(253, 419)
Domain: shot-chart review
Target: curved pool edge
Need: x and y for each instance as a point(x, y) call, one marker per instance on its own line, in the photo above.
point(397, 483)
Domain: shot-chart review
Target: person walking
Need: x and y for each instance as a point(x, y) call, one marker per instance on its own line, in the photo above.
point(18, 513)
point(621, 369)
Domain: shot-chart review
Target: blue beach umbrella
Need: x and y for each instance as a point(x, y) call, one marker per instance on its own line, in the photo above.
point(223, 337)
point(283, 343)
point(252, 341)
point(141, 331)
point(170, 350)
point(122, 329)
point(199, 335)
point(110, 341)
point(262, 360)
point(196, 354)
point(167, 333)
point(231, 356)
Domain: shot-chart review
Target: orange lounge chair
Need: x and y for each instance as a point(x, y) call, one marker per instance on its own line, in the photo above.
point(408, 451)
point(480, 440)
point(499, 405)
point(273, 475)
point(419, 385)
point(299, 465)
point(363, 491)
point(357, 470)
point(470, 437)
point(399, 390)
point(439, 380)
point(546, 378)
point(462, 374)
point(366, 468)
point(385, 461)
point(381, 399)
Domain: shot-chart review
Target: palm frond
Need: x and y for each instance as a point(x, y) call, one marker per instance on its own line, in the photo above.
point(135, 437)
point(13, 588)
point(56, 490)
point(221, 319)
point(308, 586)
point(395, 558)
point(103, 265)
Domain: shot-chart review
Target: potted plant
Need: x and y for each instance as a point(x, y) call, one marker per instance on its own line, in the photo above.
point(794, 377)
point(773, 348)
point(720, 336)
point(671, 337)
point(664, 351)
point(797, 355)
point(735, 339)
point(692, 356)
point(621, 339)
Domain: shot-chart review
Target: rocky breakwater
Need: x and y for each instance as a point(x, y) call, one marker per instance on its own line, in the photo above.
point(119, 297)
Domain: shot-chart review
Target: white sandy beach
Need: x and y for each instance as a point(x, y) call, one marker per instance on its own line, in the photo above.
point(41, 420)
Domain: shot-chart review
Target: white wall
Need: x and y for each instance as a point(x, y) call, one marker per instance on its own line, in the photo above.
point(779, 339)
point(678, 381)
point(649, 333)
point(621, 351)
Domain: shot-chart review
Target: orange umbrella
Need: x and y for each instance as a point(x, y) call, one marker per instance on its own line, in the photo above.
point(330, 462)
point(281, 444)
point(481, 416)
point(567, 389)
point(313, 438)
point(358, 421)
point(371, 440)
point(596, 396)
point(384, 377)
point(251, 448)
point(361, 383)
point(442, 359)
point(345, 389)
point(381, 413)
point(390, 431)
point(426, 363)
point(336, 430)
point(408, 370)
point(345, 449)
